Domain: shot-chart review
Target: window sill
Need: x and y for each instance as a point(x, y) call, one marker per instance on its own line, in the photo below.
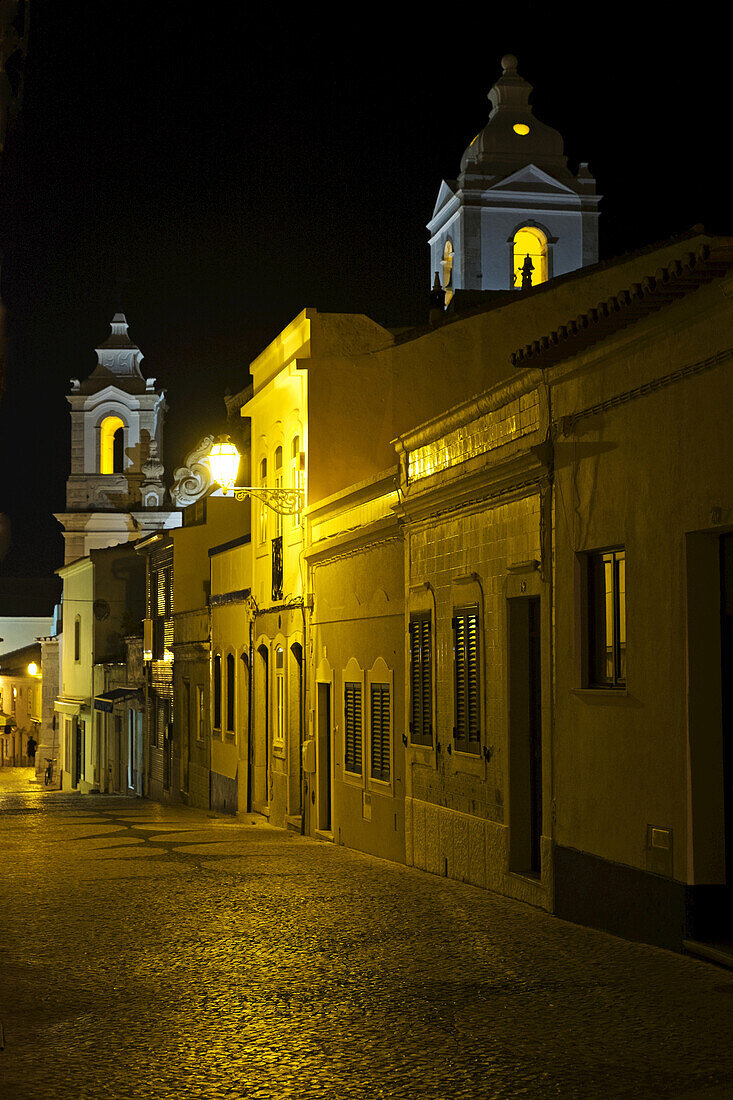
point(354, 779)
point(380, 786)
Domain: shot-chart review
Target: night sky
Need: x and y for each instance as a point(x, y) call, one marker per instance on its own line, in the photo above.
point(236, 168)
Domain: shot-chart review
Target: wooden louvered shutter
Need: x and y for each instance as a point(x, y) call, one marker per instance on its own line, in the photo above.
point(352, 728)
point(467, 732)
point(421, 683)
point(380, 732)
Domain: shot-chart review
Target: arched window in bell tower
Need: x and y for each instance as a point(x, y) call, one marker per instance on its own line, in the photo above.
point(530, 257)
point(112, 445)
point(446, 265)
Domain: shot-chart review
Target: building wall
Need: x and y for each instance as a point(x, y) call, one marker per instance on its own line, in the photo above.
point(357, 633)
point(647, 473)
point(231, 576)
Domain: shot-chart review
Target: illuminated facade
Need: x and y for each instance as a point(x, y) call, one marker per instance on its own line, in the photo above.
point(115, 491)
point(564, 626)
point(516, 215)
point(104, 596)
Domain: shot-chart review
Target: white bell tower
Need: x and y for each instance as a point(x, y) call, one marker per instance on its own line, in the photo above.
point(115, 490)
point(516, 216)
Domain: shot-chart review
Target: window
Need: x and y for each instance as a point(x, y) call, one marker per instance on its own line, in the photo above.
point(352, 728)
point(380, 731)
point(467, 732)
point(421, 679)
point(77, 638)
point(200, 712)
point(111, 445)
point(296, 466)
point(262, 527)
point(280, 693)
point(216, 688)
point(607, 619)
point(14, 704)
point(446, 265)
point(186, 710)
point(530, 257)
point(230, 692)
point(278, 485)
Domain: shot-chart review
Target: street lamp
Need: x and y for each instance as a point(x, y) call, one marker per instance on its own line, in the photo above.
point(224, 462)
point(33, 669)
point(223, 459)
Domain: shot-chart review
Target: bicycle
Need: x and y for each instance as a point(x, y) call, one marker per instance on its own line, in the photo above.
point(48, 774)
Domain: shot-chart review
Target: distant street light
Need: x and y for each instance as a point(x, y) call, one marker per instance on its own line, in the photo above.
point(224, 458)
point(33, 669)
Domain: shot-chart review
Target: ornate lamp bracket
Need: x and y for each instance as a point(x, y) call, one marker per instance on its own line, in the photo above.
point(286, 502)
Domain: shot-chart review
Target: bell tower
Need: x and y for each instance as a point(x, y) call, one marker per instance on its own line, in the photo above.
point(516, 216)
point(115, 491)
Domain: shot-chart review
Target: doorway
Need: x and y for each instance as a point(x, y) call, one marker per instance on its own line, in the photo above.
point(261, 762)
point(525, 736)
point(726, 653)
point(324, 757)
point(78, 751)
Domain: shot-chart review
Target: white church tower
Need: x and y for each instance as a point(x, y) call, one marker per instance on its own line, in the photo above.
point(516, 216)
point(115, 492)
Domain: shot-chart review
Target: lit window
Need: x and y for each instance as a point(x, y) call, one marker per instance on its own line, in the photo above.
point(297, 463)
point(607, 619)
point(111, 445)
point(77, 638)
point(521, 128)
point(530, 257)
point(263, 507)
point(278, 485)
point(446, 266)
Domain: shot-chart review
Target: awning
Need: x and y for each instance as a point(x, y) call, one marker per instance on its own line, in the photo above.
point(6, 722)
point(71, 706)
point(107, 699)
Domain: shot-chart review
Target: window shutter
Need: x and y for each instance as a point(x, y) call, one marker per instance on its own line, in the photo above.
point(421, 686)
point(466, 656)
point(380, 731)
point(352, 728)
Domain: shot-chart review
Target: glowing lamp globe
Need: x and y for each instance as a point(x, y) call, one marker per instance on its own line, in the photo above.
point(224, 462)
point(33, 669)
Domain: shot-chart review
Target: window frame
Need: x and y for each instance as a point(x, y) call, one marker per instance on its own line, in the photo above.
point(231, 697)
point(383, 690)
point(596, 607)
point(216, 689)
point(353, 686)
point(279, 704)
point(200, 711)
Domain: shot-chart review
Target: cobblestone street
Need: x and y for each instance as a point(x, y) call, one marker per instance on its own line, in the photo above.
point(156, 952)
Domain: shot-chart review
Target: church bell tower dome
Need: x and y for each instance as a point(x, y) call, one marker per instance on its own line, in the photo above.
point(516, 216)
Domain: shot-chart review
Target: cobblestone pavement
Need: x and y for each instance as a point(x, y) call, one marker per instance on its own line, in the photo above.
point(155, 952)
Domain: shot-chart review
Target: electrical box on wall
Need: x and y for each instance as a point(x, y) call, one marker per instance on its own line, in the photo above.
point(659, 856)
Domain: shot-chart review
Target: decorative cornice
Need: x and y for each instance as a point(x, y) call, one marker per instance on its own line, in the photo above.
point(682, 276)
